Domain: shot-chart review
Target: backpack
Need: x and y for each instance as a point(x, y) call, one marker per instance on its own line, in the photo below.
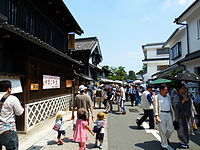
point(97, 129)
point(3, 99)
point(57, 125)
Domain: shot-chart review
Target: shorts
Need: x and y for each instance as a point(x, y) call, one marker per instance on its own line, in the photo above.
point(61, 132)
point(100, 137)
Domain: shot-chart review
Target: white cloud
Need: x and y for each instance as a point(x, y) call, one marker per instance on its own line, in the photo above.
point(174, 3)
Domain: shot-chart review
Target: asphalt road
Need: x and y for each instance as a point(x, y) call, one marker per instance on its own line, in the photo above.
point(123, 133)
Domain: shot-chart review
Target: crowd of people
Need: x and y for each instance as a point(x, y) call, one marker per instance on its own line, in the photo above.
point(109, 94)
point(171, 108)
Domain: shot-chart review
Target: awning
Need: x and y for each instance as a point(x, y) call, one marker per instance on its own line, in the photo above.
point(83, 76)
point(169, 69)
point(160, 81)
point(106, 80)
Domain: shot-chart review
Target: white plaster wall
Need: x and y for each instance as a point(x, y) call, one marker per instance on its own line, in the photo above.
point(180, 37)
point(152, 69)
point(193, 36)
point(190, 65)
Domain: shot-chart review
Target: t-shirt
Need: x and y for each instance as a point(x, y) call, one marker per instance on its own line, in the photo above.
point(165, 105)
point(10, 108)
point(100, 123)
point(83, 101)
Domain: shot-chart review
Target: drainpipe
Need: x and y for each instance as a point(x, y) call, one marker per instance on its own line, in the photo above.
point(187, 35)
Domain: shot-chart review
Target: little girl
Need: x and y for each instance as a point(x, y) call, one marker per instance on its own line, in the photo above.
point(59, 126)
point(80, 134)
point(100, 123)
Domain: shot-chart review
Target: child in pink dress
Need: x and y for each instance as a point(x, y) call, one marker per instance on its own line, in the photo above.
point(80, 134)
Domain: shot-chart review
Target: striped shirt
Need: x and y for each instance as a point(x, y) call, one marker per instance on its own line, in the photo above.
point(10, 108)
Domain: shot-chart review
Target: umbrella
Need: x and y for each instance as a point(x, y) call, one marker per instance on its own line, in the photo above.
point(190, 77)
point(137, 82)
point(129, 81)
point(160, 81)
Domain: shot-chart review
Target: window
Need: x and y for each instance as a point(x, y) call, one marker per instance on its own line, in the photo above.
point(198, 29)
point(175, 51)
point(162, 51)
point(161, 67)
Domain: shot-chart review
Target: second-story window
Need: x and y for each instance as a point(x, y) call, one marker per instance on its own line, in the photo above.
point(175, 51)
point(198, 29)
point(162, 51)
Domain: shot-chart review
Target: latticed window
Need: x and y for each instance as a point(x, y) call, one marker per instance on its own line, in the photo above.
point(175, 51)
point(162, 51)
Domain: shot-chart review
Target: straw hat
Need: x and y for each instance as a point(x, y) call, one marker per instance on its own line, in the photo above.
point(101, 115)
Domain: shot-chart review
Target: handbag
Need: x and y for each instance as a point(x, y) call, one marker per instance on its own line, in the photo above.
point(176, 125)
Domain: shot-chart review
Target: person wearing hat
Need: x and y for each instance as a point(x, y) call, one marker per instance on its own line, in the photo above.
point(147, 105)
point(82, 100)
point(100, 123)
point(59, 126)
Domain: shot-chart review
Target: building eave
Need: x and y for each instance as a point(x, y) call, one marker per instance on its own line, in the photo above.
point(182, 17)
point(35, 40)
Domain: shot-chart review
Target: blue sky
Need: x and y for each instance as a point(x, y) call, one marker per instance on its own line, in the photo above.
point(123, 26)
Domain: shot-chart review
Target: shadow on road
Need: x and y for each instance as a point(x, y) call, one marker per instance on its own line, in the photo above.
point(196, 138)
point(154, 145)
point(65, 140)
point(135, 128)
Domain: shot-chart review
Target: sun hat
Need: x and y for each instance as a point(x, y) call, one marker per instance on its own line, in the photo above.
point(101, 115)
point(82, 88)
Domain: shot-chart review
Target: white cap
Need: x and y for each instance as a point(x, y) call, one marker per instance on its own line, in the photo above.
point(82, 87)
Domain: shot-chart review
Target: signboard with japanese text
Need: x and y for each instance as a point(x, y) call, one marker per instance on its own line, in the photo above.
point(68, 83)
point(34, 86)
point(51, 82)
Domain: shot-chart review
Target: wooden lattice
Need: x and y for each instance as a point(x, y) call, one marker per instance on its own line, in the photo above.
point(39, 111)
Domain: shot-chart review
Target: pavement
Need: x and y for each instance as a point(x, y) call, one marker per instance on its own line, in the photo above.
point(43, 137)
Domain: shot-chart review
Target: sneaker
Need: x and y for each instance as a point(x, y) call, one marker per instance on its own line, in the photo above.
point(184, 145)
point(139, 126)
point(96, 144)
point(100, 146)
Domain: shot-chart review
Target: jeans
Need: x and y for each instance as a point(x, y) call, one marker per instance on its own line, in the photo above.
point(9, 140)
point(147, 113)
point(122, 105)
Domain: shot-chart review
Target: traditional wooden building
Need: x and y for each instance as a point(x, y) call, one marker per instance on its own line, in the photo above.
point(33, 54)
point(87, 51)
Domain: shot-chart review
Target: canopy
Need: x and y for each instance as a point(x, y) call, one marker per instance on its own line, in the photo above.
point(160, 81)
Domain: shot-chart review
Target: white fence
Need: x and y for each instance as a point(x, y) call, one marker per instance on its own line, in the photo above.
point(39, 111)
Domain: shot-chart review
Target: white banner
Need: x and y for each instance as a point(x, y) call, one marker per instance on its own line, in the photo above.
point(16, 84)
point(51, 82)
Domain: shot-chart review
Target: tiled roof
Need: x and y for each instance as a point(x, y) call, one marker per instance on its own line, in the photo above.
point(85, 43)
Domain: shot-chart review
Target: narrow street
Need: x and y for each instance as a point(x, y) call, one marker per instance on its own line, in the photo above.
point(124, 134)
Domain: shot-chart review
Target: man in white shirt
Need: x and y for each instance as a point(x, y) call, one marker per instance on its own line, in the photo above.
point(163, 113)
point(122, 99)
point(9, 107)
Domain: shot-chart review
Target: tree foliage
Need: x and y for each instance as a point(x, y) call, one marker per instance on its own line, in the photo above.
point(119, 73)
point(131, 75)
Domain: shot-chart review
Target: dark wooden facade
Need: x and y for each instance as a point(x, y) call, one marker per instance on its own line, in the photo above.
point(87, 50)
point(33, 43)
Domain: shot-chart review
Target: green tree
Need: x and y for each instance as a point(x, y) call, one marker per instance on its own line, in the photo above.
point(131, 75)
